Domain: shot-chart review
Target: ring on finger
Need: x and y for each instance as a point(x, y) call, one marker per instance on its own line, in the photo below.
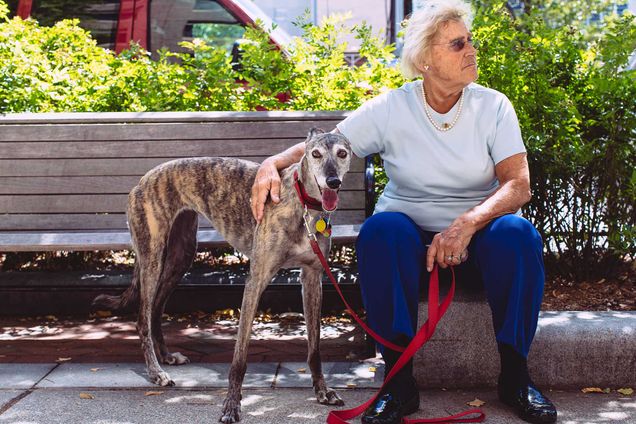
point(450, 257)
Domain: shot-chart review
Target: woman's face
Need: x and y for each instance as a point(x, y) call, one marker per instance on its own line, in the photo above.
point(449, 62)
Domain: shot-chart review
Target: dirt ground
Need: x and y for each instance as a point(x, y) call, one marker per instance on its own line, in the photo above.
point(618, 294)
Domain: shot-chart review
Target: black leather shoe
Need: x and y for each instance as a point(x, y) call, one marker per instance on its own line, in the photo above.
point(529, 403)
point(389, 409)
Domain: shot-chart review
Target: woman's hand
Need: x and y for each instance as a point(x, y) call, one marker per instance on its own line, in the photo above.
point(450, 247)
point(267, 181)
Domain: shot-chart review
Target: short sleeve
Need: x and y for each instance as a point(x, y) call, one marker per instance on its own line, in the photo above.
point(507, 141)
point(365, 127)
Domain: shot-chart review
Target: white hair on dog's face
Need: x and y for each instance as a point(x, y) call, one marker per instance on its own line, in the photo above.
point(327, 158)
point(422, 28)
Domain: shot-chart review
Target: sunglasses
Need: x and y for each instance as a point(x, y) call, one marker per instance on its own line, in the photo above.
point(459, 44)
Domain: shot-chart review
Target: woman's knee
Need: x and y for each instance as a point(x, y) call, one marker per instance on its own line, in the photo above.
point(512, 231)
point(386, 226)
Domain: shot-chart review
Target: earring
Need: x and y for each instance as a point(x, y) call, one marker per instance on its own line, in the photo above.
point(426, 67)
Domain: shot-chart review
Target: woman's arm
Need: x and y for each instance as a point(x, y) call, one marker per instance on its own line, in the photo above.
point(513, 192)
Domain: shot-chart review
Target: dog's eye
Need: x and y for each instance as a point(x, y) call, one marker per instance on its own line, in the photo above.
point(316, 154)
point(342, 154)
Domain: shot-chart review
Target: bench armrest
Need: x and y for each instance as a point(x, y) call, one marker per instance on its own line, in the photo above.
point(369, 186)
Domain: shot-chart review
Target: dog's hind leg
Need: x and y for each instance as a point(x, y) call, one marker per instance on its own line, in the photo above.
point(150, 278)
point(261, 273)
point(312, 302)
point(182, 247)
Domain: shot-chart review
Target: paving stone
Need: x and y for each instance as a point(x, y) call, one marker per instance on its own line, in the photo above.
point(269, 406)
point(216, 375)
point(337, 374)
point(22, 376)
point(97, 375)
point(108, 375)
point(7, 395)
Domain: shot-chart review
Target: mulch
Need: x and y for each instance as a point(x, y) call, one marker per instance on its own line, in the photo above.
point(605, 294)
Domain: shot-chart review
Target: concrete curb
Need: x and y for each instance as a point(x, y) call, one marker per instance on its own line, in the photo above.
point(571, 349)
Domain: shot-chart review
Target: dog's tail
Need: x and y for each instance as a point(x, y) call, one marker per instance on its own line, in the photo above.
point(113, 303)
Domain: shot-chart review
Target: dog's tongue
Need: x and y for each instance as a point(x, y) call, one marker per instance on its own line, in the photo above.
point(329, 199)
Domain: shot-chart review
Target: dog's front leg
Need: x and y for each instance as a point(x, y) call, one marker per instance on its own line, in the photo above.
point(254, 287)
point(312, 301)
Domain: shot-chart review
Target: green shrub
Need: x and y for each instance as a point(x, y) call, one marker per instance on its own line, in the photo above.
point(575, 104)
point(60, 68)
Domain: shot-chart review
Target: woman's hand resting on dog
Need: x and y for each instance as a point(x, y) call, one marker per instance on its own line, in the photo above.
point(267, 181)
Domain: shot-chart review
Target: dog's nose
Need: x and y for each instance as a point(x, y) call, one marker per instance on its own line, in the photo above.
point(333, 182)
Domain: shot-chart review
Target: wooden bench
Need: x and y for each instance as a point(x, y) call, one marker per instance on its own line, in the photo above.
point(64, 178)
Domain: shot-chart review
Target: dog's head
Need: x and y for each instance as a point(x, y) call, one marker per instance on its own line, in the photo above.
point(326, 161)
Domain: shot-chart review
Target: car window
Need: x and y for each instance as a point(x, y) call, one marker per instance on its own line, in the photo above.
point(218, 35)
point(99, 17)
point(174, 21)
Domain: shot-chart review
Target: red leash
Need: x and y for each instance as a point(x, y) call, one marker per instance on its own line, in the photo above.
point(435, 313)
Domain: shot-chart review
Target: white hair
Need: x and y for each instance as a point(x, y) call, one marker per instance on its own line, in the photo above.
point(422, 28)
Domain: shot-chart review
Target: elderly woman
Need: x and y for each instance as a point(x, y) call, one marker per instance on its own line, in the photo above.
point(458, 176)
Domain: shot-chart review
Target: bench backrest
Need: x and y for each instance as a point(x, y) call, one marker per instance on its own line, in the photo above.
point(72, 172)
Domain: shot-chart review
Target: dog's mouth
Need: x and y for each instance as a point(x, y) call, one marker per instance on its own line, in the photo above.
point(329, 198)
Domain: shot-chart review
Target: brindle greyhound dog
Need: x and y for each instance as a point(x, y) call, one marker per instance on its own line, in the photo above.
point(163, 221)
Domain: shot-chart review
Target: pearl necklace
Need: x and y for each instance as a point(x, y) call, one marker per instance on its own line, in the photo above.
point(446, 126)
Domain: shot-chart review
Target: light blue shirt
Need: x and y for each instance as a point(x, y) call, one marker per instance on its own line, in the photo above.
point(435, 176)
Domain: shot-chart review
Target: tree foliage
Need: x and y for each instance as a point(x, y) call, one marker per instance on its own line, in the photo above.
point(575, 102)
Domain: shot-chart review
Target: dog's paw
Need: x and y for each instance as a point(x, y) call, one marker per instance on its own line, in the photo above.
point(328, 396)
point(162, 379)
point(231, 411)
point(176, 358)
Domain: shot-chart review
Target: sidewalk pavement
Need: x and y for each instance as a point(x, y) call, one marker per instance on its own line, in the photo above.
point(46, 363)
point(118, 393)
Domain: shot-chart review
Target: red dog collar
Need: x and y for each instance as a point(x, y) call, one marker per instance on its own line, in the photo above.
point(305, 198)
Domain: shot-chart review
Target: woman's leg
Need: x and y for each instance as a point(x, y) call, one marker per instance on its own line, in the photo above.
point(391, 252)
point(391, 264)
point(509, 255)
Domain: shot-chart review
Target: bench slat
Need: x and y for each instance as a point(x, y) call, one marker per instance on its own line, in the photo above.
point(106, 184)
point(115, 221)
point(119, 240)
point(144, 148)
point(168, 117)
point(161, 131)
point(109, 203)
point(104, 166)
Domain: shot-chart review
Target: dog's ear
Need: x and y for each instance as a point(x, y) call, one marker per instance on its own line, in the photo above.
point(314, 132)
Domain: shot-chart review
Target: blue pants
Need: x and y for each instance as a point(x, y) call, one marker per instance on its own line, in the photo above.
point(506, 257)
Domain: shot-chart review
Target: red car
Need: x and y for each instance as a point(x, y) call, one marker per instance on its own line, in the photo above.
point(153, 23)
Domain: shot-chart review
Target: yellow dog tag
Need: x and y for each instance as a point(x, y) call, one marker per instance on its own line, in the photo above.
point(321, 225)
